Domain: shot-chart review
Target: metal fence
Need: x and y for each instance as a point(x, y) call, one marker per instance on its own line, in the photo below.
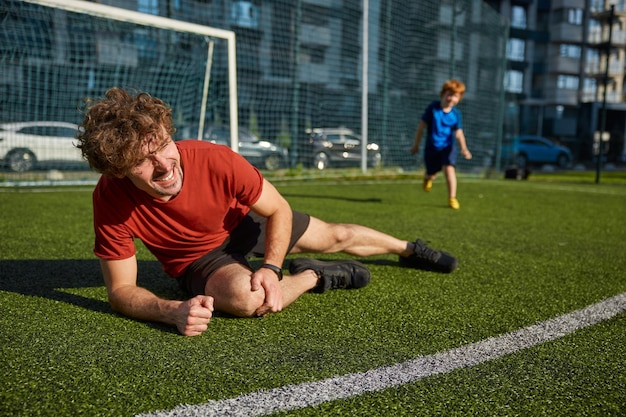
point(300, 67)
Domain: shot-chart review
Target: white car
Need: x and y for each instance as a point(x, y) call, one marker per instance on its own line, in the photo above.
point(29, 145)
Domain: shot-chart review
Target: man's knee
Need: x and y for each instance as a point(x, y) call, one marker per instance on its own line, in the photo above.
point(232, 292)
point(246, 304)
point(343, 232)
point(239, 303)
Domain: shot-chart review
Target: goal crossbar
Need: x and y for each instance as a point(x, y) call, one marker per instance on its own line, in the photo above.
point(144, 19)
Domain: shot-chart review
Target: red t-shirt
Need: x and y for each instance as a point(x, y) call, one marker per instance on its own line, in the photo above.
point(219, 185)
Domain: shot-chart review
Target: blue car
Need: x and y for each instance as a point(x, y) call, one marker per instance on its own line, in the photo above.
point(528, 150)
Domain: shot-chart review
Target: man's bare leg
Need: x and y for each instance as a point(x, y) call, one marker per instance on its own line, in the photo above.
point(358, 240)
point(231, 289)
point(353, 239)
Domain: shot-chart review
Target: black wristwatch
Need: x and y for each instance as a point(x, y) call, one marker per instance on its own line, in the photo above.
point(274, 268)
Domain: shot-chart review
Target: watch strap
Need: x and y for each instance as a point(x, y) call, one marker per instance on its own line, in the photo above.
point(274, 268)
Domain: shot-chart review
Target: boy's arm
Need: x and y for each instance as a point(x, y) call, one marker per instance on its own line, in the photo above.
point(418, 137)
point(460, 137)
point(191, 317)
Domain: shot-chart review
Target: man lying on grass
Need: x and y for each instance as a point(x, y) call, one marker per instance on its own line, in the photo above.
point(202, 210)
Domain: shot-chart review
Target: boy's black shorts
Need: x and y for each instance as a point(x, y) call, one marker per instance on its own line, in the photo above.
point(436, 159)
point(246, 241)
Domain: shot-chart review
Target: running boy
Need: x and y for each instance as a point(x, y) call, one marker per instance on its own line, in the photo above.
point(444, 124)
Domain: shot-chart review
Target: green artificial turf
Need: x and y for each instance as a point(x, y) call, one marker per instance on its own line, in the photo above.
point(528, 251)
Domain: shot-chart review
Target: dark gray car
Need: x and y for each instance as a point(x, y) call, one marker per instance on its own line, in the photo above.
point(260, 153)
point(335, 147)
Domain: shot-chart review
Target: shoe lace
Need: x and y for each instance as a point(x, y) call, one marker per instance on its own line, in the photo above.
point(424, 252)
point(337, 280)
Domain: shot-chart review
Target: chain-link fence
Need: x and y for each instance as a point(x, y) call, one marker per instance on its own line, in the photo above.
point(300, 72)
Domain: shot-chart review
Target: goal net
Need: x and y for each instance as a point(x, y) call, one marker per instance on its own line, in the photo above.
point(297, 82)
point(56, 53)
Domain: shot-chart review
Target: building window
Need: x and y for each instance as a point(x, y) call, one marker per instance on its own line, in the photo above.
point(142, 38)
point(595, 31)
point(515, 49)
point(244, 14)
point(593, 56)
point(518, 17)
point(567, 82)
point(596, 6)
point(281, 63)
point(590, 87)
point(513, 81)
point(315, 15)
point(148, 6)
point(569, 51)
point(559, 111)
point(445, 49)
point(575, 16)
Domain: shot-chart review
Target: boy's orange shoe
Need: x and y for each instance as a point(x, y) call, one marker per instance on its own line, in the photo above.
point(454, 203)
point(428, 184)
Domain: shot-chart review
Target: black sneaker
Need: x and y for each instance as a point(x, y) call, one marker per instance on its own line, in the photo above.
point(333, 274)
point(429, 259)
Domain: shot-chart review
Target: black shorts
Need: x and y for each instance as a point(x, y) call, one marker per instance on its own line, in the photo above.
point(436, 159)
point(246, 241)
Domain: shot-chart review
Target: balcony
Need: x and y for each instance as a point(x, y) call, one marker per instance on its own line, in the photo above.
point(313, 73)
point(323, 3)
point(597, 68)
point(568, 4)
point(561, 96)
point(618, 37)
point(566, 33)
point(111, 51)
point(315, 35)
point(564, 65)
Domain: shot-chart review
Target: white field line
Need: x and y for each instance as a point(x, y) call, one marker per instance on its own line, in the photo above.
point(293, 397)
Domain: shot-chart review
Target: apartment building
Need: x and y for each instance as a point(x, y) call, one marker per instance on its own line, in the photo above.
point(299, 64)
point(557, 82)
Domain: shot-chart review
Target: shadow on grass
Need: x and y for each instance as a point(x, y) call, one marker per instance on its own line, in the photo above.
point(331, 197)
point(50, 278)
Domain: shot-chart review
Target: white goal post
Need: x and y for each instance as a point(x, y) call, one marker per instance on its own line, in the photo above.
point(125, 15)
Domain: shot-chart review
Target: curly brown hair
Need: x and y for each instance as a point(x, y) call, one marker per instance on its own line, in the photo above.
point(117, 127)
point(455, 86)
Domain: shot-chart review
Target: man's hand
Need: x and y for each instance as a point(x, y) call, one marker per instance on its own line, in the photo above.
point(466, 153)
point(415, 149)
point(267, 280)
point(193, 316)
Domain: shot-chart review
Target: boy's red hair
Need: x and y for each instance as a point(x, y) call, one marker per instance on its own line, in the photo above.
point(455, 86)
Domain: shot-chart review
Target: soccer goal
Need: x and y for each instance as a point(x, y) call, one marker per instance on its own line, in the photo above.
point(62, 51)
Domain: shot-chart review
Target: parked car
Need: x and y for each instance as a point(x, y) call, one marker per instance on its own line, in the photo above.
point(527, 150)
point(29, 145)
point(260, 153)
point(326, 147)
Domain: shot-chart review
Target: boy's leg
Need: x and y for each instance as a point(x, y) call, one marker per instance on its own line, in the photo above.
point(450, 172)
point(428, 181)
point(451, 180)
point(433, 163)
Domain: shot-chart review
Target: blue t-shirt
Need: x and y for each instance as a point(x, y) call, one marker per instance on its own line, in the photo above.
point(441, 125)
